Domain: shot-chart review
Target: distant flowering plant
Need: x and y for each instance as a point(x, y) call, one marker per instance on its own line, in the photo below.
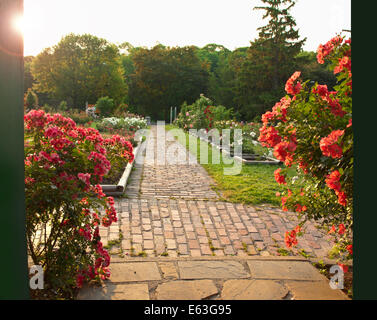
point(131, 124)
point(197, 115)
point(311, 129)
point(65, 205)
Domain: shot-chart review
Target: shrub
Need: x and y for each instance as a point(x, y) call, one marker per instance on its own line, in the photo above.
point(222, 113)
point(65, 205)
point(121, 110)
point(105, 106)
point(63, 106)
point(134, 124)
point(203, 115)
point(196, 116)
point(78, 116)
point(31, 100)
point(130, 124)
point(250, 134)
point(311, 129)
point(47, 108)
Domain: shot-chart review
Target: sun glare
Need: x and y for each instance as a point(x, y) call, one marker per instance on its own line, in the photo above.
point(19, 24)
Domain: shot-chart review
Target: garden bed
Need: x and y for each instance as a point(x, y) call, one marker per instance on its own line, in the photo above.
point(118, 185)
point(246, 158)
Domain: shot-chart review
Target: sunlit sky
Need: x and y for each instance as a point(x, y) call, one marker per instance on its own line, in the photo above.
point(173, 22)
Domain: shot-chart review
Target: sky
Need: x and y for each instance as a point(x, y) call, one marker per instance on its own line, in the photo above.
point(232, 23)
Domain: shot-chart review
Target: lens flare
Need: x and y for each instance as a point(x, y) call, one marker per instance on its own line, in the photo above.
point(19, 24)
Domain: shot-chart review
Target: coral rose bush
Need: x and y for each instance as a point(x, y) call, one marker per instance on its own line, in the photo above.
point(311, 129)
point(65, 205)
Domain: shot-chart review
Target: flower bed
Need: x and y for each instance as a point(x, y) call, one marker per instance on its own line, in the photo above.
point(247, 158)
point(203, 115)
point(115, 183)
point(116, 145)
point(64, 166)
point(129, 124)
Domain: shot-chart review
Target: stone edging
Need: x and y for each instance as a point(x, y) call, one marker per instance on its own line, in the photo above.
point(118, 190)
point(270, 160)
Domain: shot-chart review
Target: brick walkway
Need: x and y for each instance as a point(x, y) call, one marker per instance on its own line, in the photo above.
point(171, 210)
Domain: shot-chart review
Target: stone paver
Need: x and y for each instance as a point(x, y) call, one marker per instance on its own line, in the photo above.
point(287, 270)
point(303, 290)
point(186, 290)
point(253, 290)
point(168, 270)
point(211, 270)
point(196, 279)
point(135, 271)
point(135, 291)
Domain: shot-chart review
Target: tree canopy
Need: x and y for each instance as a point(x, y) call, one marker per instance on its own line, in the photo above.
point(84, 68)
point(79, 69)
point(270, 59)
point(165, 77)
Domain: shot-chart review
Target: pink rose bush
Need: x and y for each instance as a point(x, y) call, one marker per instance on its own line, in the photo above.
point(65, 205)
point(310, 129)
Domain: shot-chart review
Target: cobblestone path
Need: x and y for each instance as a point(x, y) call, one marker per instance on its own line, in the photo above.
point(171, 210)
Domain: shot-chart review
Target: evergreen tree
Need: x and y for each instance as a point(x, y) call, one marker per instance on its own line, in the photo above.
point(31, 100)
point(270, 59)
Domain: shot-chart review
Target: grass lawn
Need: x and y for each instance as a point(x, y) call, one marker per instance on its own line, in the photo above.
point(255, 184)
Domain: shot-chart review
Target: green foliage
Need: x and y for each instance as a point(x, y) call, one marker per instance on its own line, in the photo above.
point(193, 116)
point(121, 110)
point(311, 69)
point(270, 60)
point(79, 69)
point(165, 77)
point(105, 106)
point(202, 115)
point(31, 100)
point(28, 77)
point(80, 117)
point(63, 106)
point(47, 108)
point(283, 252)
point(222, 113)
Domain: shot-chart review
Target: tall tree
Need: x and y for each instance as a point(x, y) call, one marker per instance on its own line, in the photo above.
point(216, 56)
point(311, 69)
point(80, 68)
point(270, 58)
point(166, 77)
